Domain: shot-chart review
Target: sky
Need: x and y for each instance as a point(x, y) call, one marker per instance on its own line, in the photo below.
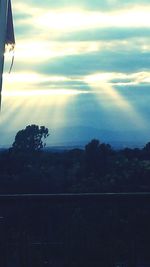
point(79, 64)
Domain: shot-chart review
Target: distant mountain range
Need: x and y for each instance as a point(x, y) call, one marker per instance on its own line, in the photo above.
point(78, 136)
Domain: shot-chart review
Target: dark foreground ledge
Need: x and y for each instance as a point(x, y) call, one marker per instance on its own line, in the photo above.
point(81, 197)
point(84, 229)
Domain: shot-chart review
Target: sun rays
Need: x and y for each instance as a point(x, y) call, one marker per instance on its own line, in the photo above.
point(44, 105)
point(48, 107)
point(111, 100)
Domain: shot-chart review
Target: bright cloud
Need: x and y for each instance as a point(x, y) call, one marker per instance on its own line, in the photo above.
point(74, 20)
point(44, 50)
point(38, 93)
point(119, 78)
point(32, 77)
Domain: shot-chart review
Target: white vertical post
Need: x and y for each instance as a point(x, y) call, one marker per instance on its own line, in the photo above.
point(3, 24)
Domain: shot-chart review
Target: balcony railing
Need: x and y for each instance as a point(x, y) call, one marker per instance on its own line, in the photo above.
point(106, 230)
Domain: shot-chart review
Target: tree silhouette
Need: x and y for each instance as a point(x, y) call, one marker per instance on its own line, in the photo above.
point(147, 147)
point(92, 156)
point(30, 139)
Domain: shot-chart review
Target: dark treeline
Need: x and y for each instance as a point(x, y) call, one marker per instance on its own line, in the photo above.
point(96, 168)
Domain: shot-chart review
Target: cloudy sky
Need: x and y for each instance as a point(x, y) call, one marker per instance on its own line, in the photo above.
point(79, 63)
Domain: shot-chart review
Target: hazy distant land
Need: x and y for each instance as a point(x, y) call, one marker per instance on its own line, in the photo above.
point(79, 136)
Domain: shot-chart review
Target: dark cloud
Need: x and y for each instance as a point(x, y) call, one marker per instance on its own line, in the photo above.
point(137, 92)
point(23, 31)
point(88, 4)
point(105, 61)
point(107, 34)
point(78, 85)
point(116, 81)
point(21, 16)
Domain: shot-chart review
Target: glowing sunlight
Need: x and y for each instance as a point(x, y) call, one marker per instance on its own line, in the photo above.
point(105, 91)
